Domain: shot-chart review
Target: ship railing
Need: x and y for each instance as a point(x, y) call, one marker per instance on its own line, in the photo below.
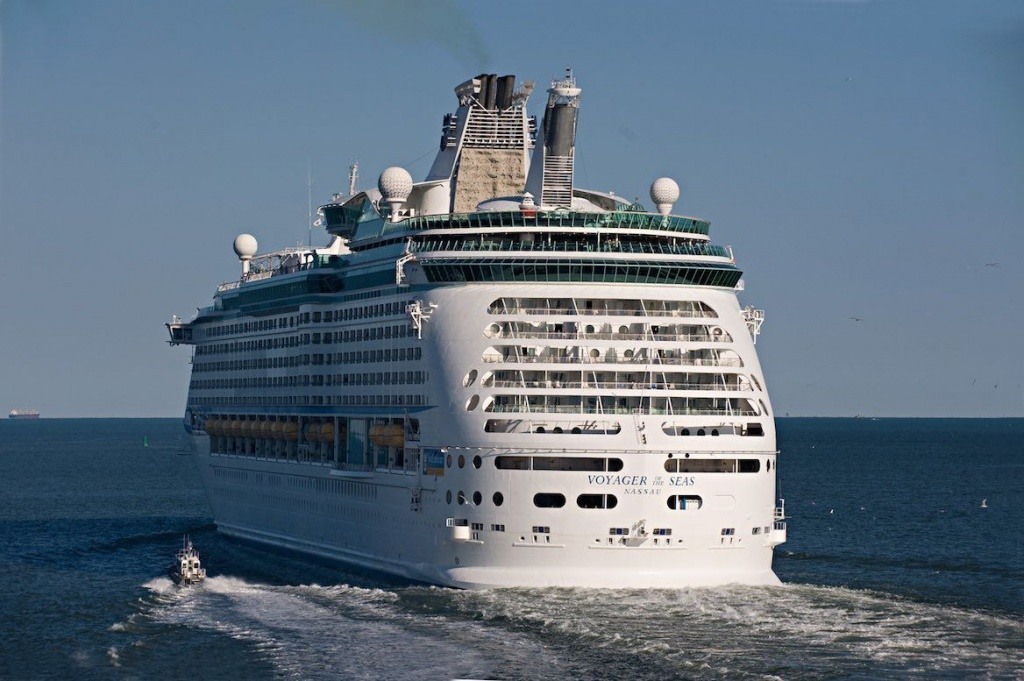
point(641, 361)
point(272, 265)
point(559, 219)
point(621, 385)
point(352, 467)
point(576, 409)
point(609, 312)
point(614, 335)
point(608, 246)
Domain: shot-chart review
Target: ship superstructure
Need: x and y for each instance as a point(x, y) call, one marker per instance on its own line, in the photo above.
point(493, 377)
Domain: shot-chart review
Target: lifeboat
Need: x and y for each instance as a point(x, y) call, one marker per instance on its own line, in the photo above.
point(311, 432)
point(212, 426)
point(290, 431)
point(277, 430)
point(387, 434)
point(327, 432)
point(263, 429)
point(236, 428)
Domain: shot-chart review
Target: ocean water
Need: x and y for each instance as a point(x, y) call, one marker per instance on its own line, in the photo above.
point(892, 570)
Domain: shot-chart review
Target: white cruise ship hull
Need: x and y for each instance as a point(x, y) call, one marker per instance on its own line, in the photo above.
point(401, 522)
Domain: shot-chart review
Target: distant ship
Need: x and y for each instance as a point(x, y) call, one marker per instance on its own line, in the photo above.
point(23, 414)
point(493, 377)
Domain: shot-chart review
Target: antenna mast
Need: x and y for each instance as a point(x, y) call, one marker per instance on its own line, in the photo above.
point(353, 174)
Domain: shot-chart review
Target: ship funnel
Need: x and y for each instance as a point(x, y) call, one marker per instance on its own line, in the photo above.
point(551, 174)
point(485, 146)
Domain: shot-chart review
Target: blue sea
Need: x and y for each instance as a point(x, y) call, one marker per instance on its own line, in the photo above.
point(893, 570)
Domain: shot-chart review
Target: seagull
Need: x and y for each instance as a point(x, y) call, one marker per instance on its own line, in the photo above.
point(984, 503)
point(991, 264)
point(831, 511)
point(857, 319)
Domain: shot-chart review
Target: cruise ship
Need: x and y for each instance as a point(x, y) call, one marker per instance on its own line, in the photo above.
point(493, 377)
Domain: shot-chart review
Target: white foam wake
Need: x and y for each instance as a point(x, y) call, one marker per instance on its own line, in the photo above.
point(751, 630)
point(787, 632)
point(335, 631)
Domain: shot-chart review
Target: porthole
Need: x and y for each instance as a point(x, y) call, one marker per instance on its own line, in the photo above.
point(477, 498)
point(469, 379)
point(448, 460)
point(498, 499)
point(492, 331)
point(680, 502)
point(472, 402)
point(714, 433)
point(594, 352)
point(462, 497)
point(556, 429)
point(448, 496)
point(597, 501)
point(749, 465)
point(686, 431)
point(549, 500)
point(701, 432)
point(540, 429)
point(462, 461)
point(576, 430)
point(477, 461)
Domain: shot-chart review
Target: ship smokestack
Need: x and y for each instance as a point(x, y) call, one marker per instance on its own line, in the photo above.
point(485, 146)
point(551, 175)
point(506, 86)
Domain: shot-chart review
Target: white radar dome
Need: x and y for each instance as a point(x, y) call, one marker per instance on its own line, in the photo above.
point(664, 193)
point(395, 184)
point(245, 246)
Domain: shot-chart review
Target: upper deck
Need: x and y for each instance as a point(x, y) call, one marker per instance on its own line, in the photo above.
point(499, 204)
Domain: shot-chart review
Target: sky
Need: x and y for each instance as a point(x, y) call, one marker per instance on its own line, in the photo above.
point(865, 159)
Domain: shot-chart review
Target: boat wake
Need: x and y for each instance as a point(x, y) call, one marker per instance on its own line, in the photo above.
point(754, 632)
point(313, 631)
point(787, 632)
